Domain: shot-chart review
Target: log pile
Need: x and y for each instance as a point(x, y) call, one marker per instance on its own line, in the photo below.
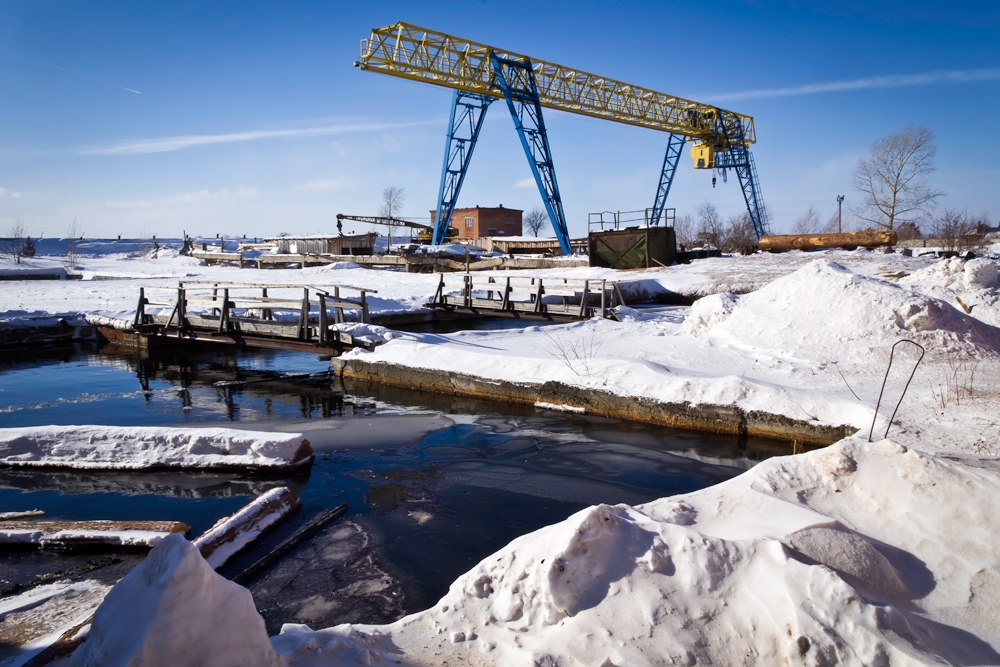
point(846, 240)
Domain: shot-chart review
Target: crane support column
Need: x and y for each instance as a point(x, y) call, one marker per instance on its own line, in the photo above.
point(730, 134)
point(516, 79)
point(467, 113)
point(674, 147)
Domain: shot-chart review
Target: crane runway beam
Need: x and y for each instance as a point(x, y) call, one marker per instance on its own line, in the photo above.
point(412, 52)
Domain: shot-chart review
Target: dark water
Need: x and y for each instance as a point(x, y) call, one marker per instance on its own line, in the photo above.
point(434, 483)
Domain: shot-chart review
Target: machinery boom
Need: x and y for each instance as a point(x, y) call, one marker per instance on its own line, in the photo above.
point(411, 52)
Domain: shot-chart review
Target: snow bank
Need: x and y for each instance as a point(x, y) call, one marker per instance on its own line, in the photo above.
point(957, 274)
point(136, 448)
point(847, 555)
point(173, 609)
point(367, 333)
point(824, 305)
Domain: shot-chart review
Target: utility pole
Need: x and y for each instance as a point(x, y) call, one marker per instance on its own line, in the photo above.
point(840, 213)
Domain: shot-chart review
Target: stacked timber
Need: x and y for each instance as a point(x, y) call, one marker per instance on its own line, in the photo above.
point(847, 240)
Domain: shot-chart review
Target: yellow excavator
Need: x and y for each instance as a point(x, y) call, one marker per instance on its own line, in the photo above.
point(423, 236)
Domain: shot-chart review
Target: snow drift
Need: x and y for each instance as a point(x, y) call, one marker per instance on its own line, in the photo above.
point(173, 609)
point(826, 306)
point(136, 448)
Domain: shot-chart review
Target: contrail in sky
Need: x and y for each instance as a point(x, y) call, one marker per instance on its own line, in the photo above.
point(69, 71)
point(875, 82)
point(167, 144)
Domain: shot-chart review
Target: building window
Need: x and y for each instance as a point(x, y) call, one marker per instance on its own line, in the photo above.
point(509, 222)
point(468, 223)
point(492, 231)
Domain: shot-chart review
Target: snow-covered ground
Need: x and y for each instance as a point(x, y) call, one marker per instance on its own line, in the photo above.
point(860, 553)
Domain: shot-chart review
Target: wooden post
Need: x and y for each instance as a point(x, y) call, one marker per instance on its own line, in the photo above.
point(604, 293)
point(322, 318)
point(181, 310)
point(505, 303)
point(439, 294)
point(583, 300)
point(241, 259)
point(338, 311)
point(140, 309)
point(266, 313)
point(304, 315)
point(224, 313)
point(538, 296)
point(365, 318)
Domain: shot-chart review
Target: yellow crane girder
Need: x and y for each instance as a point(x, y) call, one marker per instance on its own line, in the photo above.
point(412, 52)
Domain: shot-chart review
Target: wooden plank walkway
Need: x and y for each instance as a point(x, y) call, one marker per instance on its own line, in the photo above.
point(295, 317)
point(546, 297)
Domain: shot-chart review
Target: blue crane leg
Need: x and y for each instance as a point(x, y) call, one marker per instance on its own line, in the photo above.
point(747, 173)
point(468, 111)
point(675, 145)
point(516, 80)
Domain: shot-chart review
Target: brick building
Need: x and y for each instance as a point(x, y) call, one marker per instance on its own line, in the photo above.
point(474, 223)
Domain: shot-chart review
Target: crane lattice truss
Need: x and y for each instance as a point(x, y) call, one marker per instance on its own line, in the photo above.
point(480, 74)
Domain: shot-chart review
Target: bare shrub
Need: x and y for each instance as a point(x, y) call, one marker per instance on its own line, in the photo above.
point(13, 246)
point(955, 230)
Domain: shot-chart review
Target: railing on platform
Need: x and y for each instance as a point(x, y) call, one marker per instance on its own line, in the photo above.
point(519, 295)
point(614, 220)
point(289, 312)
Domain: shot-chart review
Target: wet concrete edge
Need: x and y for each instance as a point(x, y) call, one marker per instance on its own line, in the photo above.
point(723, 419)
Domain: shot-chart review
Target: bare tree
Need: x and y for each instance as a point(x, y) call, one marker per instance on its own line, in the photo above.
point(739, 236)
point(711, 229)
point(908, 231)
point(892, 178)
point(684, 231)
point(14, 245)
point(955, 230)
point(392, 202)
point(535, 220)
point(807, 223)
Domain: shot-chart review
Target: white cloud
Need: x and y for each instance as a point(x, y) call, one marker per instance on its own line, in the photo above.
point(9, 193)
point(525, 183)
point(167, 144)
point(326, 186)
point(198, 196)
point(875, 82)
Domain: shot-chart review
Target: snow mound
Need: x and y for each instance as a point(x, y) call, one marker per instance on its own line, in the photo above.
point(788, 563)
point(173, 609)
point(134, 448)
point(824, 305)
point(709, 311)
point(957, 274)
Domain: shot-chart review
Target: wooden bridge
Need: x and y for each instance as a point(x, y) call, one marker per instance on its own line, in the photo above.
point(290, 317)
point(540, 297)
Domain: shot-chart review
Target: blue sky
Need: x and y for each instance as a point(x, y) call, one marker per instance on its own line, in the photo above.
point(141, 118)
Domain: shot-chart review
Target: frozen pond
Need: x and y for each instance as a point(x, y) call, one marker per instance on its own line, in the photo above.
point(434, 483)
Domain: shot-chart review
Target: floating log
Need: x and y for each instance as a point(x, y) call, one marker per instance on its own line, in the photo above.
point(315, 525)
point(87, 534)
point(847, 240)
point(232, 534)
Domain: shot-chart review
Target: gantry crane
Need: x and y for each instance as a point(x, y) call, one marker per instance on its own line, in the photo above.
point(480, 74)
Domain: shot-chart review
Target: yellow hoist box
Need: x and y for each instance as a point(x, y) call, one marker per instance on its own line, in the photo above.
point(703, 156)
